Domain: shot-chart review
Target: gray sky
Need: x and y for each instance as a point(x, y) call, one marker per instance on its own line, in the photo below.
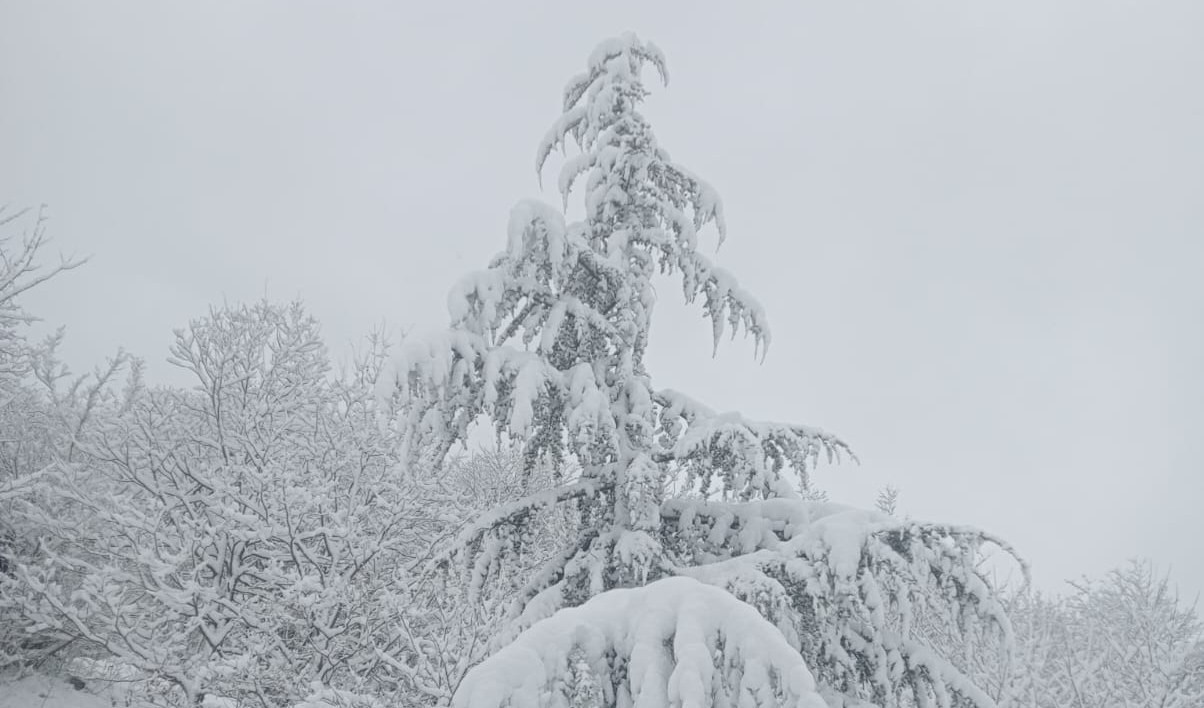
point(977, 228)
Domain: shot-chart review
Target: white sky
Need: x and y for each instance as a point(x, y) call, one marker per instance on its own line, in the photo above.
point(977, 227)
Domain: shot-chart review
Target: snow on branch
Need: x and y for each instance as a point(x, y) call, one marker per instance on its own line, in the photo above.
point(629, 178)
point(747, 457)
point(675, 643)
point(849, 588)
point(482, 544)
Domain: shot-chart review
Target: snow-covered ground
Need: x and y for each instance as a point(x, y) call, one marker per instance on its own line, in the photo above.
point(40, 691)
point(46, 691)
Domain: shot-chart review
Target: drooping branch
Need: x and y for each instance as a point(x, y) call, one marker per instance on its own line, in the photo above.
point(673, 642)
point(747, 458)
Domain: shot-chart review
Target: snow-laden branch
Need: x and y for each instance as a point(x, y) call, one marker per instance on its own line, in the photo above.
point(848, 587)
point(747, 457)
point(675, 643)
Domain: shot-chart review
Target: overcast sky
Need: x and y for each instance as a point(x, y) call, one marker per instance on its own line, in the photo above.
point(978, 228)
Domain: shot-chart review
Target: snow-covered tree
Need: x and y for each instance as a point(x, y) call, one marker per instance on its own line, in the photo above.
point(24, 418)
point(20, 271)
point(549, 343)
point(36, 426)
point(246, 538)
point(1121, 640)
point(887, 500)
point(549, 346)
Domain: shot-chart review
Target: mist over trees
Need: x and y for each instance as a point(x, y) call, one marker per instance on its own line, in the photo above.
point(511, 514)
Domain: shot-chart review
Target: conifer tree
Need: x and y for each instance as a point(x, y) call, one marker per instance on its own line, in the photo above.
point(549, 345)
